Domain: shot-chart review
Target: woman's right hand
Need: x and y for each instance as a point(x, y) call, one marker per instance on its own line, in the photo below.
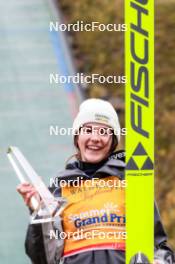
point(27, 191)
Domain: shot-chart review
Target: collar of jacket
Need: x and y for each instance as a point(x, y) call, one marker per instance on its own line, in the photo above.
point(113, 166)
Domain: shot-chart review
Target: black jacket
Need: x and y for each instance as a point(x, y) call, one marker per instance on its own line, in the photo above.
point(42, 250)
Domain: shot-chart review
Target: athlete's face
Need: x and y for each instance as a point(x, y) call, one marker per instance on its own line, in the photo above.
point(94, 142)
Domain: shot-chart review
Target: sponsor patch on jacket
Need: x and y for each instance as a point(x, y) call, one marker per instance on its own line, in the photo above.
point(98, 214)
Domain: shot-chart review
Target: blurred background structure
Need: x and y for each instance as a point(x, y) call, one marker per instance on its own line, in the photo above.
point(29, 52)
point(30, 104)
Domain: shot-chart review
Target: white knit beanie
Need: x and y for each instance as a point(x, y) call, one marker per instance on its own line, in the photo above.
point(97, 110)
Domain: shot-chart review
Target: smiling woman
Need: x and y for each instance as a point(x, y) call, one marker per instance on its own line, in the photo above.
point(91, 208)
point(98, 130)
point(92, 145)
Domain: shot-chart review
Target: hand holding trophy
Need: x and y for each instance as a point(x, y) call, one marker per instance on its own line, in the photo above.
point(30, 195)
point(33, 190)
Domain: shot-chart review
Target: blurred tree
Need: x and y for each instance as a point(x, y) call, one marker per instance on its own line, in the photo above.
point(97, 50)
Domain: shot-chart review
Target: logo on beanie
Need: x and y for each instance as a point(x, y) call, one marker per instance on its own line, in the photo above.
point(102, 118)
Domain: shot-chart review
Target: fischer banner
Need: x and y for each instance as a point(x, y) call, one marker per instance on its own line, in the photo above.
point(139, 99)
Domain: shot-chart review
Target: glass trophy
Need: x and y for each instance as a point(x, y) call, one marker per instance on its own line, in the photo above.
point(49, 207)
